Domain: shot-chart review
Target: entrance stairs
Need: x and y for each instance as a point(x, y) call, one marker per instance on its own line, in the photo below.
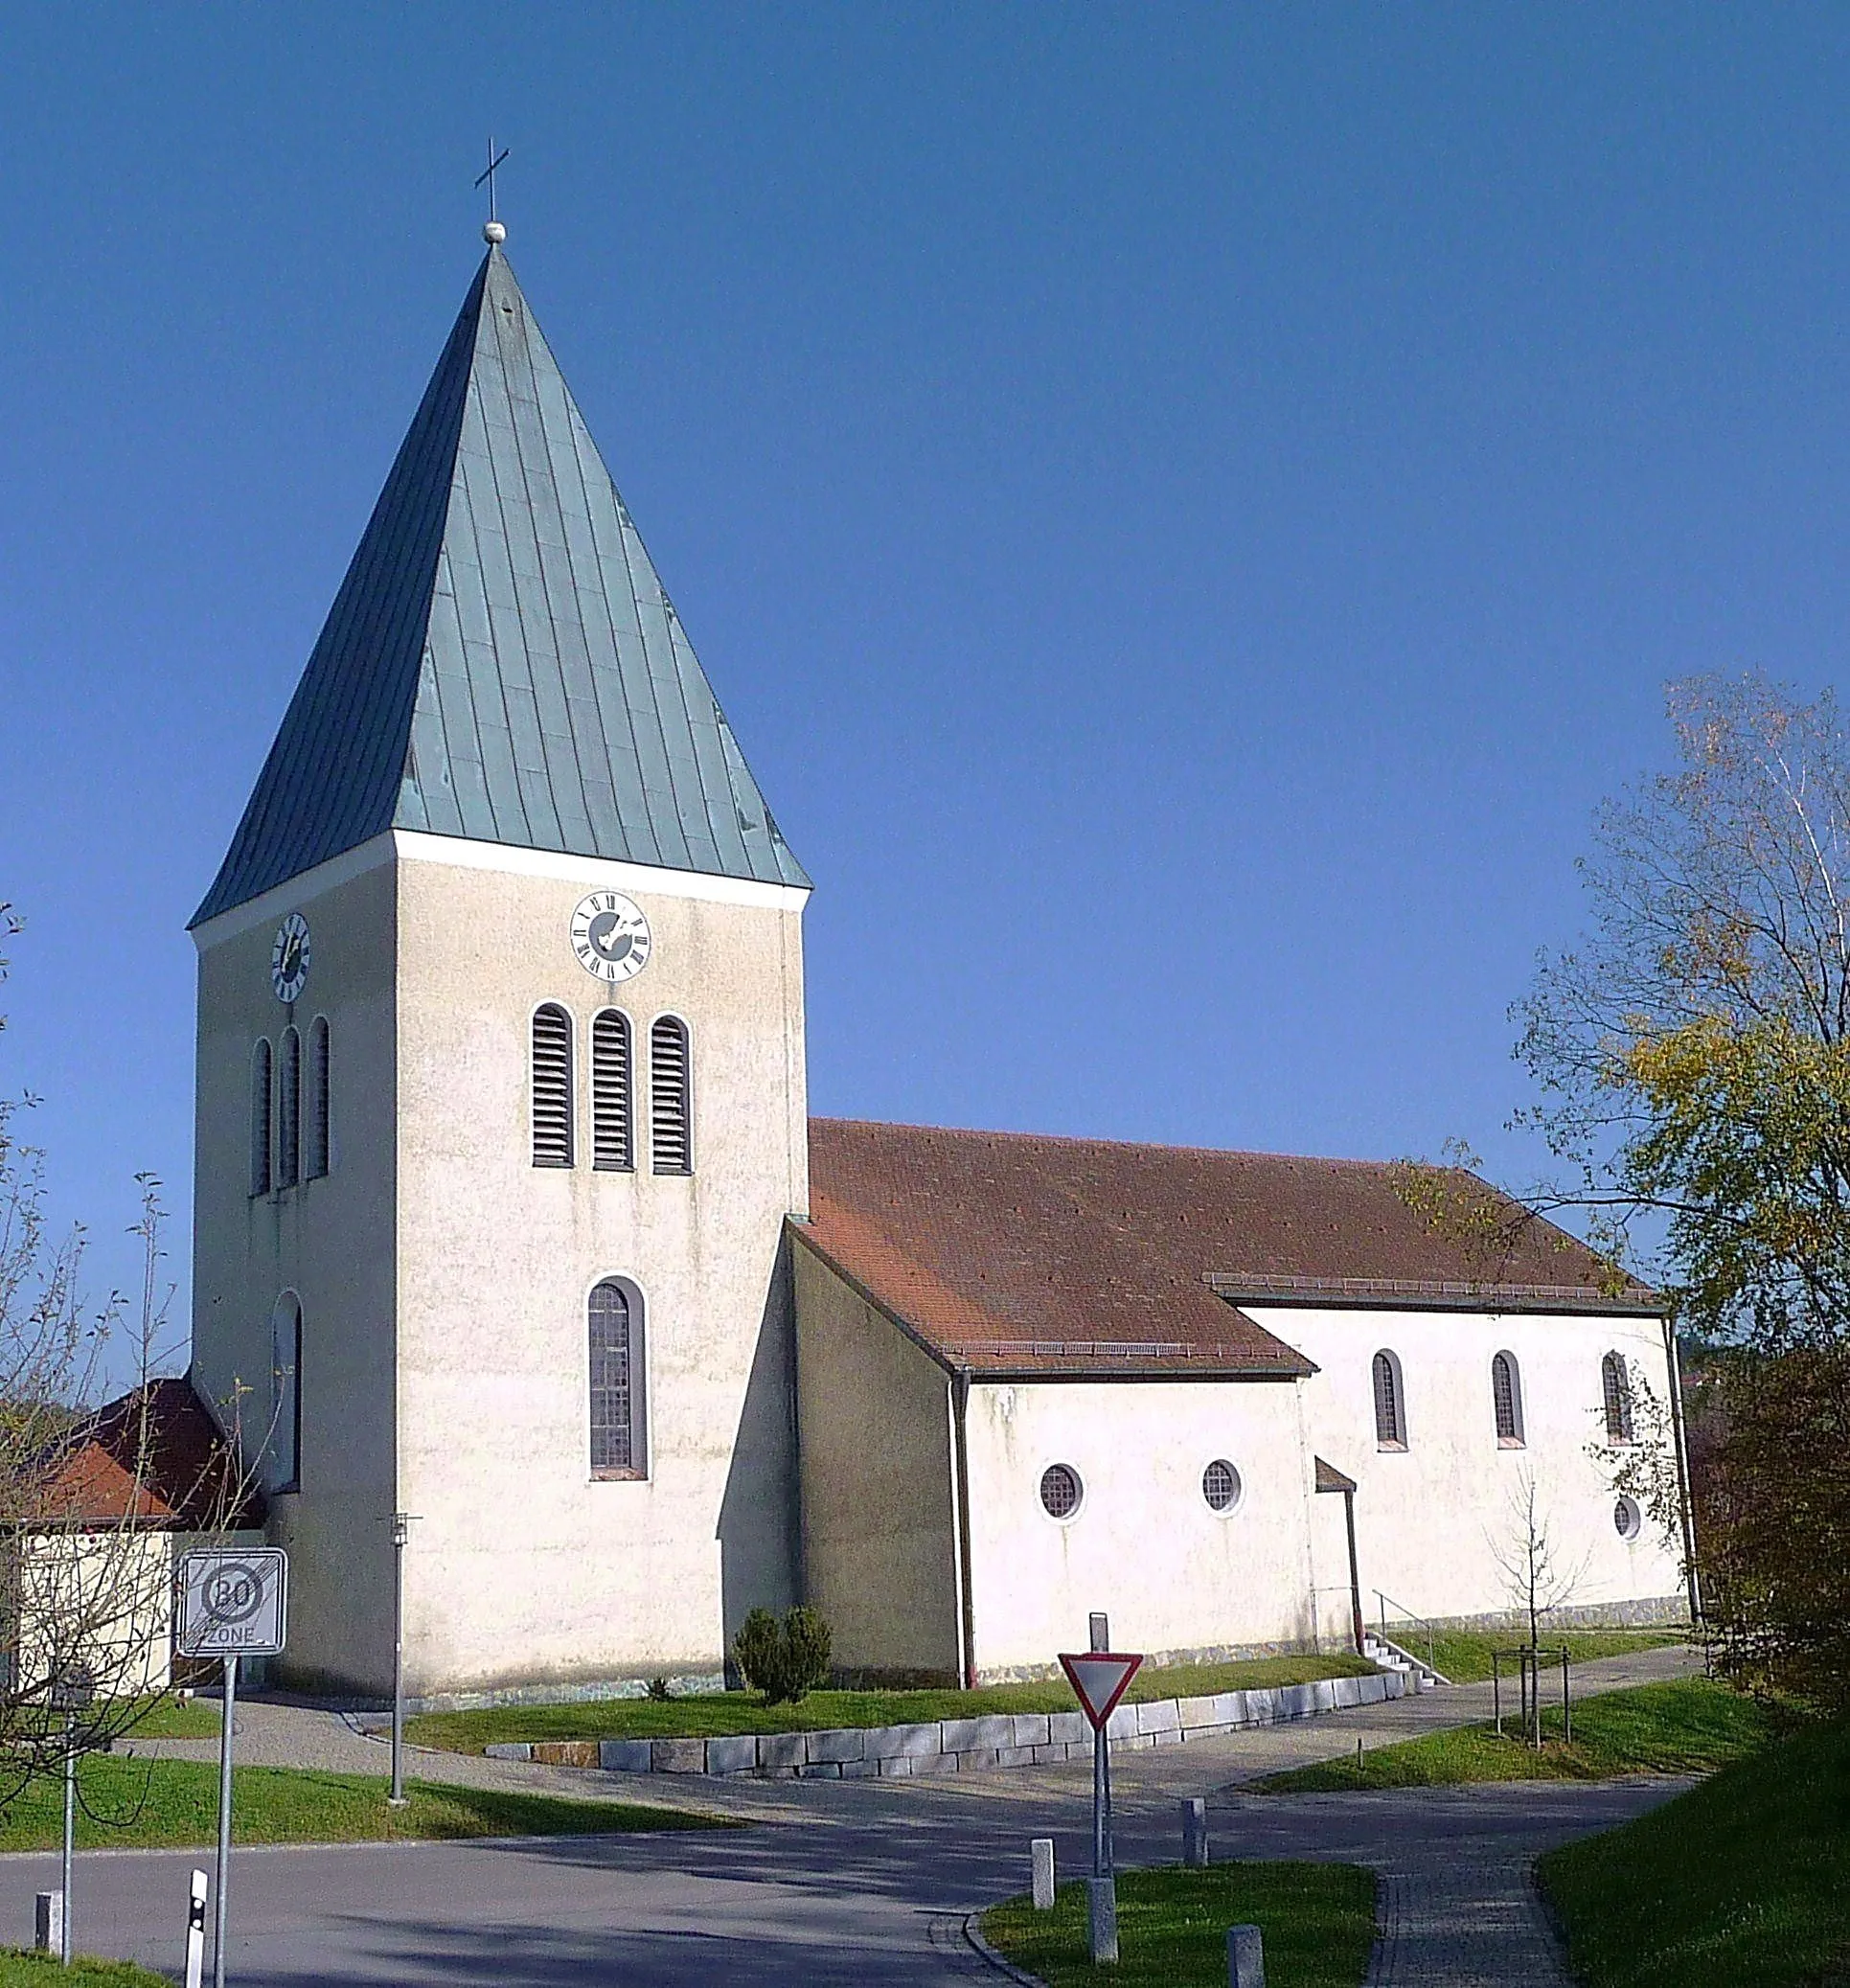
point(1389, 1655)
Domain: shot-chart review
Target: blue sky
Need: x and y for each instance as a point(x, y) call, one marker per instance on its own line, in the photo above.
point(1187, 510)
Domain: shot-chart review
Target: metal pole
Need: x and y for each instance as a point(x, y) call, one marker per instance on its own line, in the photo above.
point(70, 1834)
point(1566, 1707)
point(1496, 1696)
point(1104, 1760)
point(223, 1875)
point(1100, 1851)
point(400, 1529)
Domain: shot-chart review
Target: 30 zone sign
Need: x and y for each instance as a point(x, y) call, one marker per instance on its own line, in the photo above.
point(234, 1602)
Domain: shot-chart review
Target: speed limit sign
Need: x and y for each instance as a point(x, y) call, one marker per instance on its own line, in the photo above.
point(234, 1602)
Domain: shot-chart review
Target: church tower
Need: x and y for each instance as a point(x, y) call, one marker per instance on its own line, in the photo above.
point(500, 1087)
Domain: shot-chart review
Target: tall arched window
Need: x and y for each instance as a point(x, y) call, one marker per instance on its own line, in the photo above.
point(552, 1087)
point(317, 1146)
point(286, 1394)
point(613, 1147)
point(288, 1111)
point(619, 1428)
point(1506, 1400)
point(671, 1097)
point(1390, 1408)
point(1615, 1390)
point(260, 1118)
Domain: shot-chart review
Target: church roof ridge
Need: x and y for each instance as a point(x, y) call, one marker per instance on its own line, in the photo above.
point(501, 662)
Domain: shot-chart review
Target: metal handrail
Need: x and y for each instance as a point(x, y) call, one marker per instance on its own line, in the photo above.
point(1387, 1602)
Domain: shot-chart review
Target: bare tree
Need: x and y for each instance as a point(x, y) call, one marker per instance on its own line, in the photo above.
point(94, 1493)
point(1536, 1576)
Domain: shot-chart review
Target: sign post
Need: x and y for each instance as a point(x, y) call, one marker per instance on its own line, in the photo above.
point(233, 1603)
point(72, 1693)
point(1100, 1678)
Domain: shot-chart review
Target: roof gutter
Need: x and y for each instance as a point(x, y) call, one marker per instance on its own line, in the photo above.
point(960, 1455)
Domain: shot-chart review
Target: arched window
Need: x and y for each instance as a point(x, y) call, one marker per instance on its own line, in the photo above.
point(260, 1118)
point(619, 1430)
point(288, 1111)
point(614, 1147)
point(1506, 1400)
point(1615, 1390)
point(317, 1146)
point(671, 1097)
point(1390, 1408)
point(286, 1394)
point(552, 1087)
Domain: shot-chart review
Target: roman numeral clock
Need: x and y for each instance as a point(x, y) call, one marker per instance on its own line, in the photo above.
point(611, 936)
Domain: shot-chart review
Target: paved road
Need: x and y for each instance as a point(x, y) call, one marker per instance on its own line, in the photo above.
point(842, 1881)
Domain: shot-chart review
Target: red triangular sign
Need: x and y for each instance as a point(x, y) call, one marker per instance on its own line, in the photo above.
point(1100, 1678)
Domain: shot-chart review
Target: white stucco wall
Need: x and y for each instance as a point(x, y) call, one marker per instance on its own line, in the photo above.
point(443, 1279)
point(879, 1544)
point(523, 1571)
point(1175, 1575)
point(332, 1240)
point(1432, 1519)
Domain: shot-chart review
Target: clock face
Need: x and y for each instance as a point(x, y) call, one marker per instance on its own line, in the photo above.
point(611, 936)
point(289, 958)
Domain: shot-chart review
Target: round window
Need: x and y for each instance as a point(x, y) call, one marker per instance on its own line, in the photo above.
point(1220, 1485)
point(1628, 1521)
point(1060, 1491)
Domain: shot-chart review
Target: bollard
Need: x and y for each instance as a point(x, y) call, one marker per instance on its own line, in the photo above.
point(1195, 1834)
point(1245, 1957)
point(1041, 1849)
point(47, 1922)
point(196, 1932)
point(1102, 1919)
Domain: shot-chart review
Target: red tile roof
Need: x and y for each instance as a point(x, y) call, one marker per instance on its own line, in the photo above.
point(155, 1455)
point(1018, 1252)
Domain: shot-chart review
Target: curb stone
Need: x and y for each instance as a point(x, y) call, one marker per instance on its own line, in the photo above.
point(974, 1933)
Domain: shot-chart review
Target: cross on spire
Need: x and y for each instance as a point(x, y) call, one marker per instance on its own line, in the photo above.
point(493, 230)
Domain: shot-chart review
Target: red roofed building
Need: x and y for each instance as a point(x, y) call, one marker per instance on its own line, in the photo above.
point(1039, 1376)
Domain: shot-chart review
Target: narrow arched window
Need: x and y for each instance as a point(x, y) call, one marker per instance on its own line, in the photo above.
point(286, 1394)
point(671, 1097)
point(288, 1111)
point(552, 1087)
point(316, 1144)
point(1615, 1390)
point(1390, 1411)
point(619, 1430)
point(1506, 1400)
point(260, 1118)
point(613, 1147)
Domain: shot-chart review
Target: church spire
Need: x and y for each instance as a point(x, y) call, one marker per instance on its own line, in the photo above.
point(501, 662)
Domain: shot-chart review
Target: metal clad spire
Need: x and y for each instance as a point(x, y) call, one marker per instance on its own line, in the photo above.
point(501, 662)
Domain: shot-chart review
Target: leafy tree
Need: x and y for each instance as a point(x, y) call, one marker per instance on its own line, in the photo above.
point(1693, 1057)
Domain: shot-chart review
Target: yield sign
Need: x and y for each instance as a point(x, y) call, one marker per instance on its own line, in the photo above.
point(1100, 1678)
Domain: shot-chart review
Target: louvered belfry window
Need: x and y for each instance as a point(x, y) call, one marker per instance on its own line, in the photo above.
point(671, 1100)
point(288, 1111)
point(1390, 1420)
point(618, 1445)
point(613, 1149)
point(1615, 1387)
point(315, 1141)
point(551, 1087)
point(1505, 1400)
point(260, 1118)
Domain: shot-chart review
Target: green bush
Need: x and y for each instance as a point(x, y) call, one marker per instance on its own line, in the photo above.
point(783, 1660)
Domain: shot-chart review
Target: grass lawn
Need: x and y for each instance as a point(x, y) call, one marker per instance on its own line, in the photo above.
point(1318, 1920)
point(718, 1713)
point(171, 1720)
point(1464, 1654)
point(1689, 1726)
point(282, 1805)
point(22, 1970)
point(1743, 1880)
